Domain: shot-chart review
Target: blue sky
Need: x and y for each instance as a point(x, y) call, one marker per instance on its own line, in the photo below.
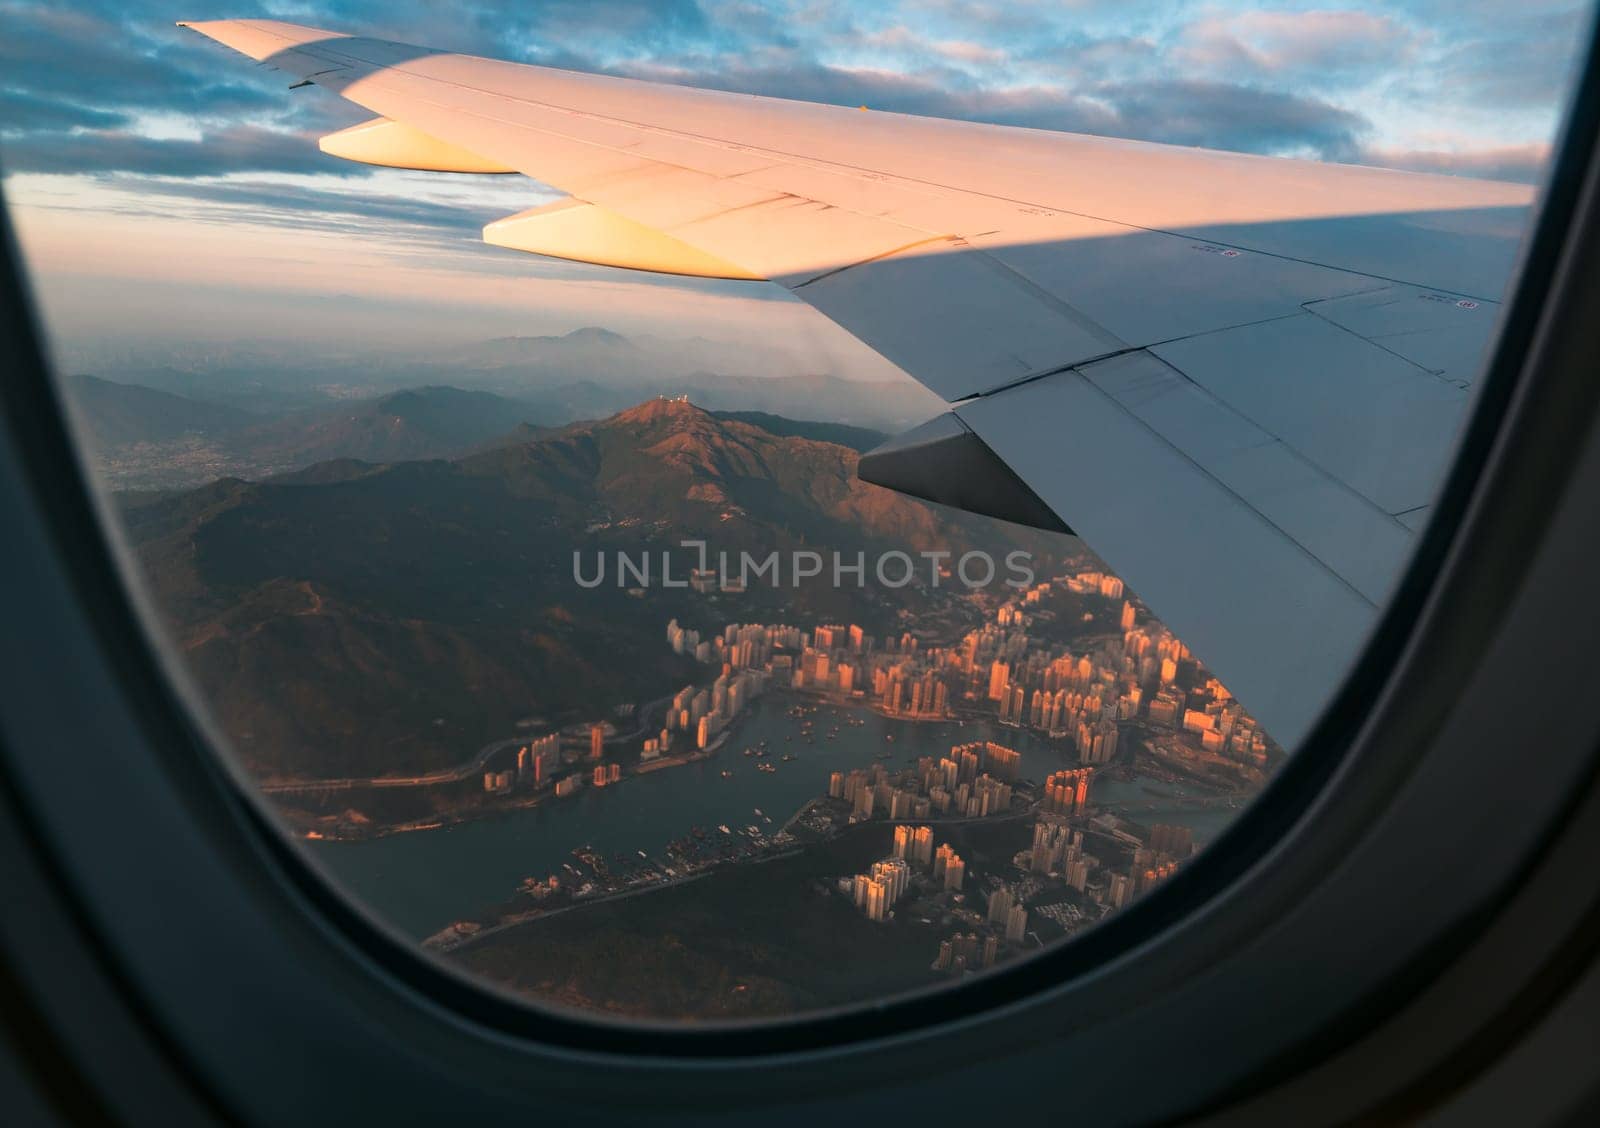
point(122, 135)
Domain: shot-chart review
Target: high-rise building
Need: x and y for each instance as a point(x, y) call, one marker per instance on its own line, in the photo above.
point(1119, 891)
point(999, 678)
point(1067, 792)
point(955, 871)
point(991, 948)
point(1078, 873)
point(1000, 902)
point(895, 876)
point(1016, 924)
point(922, 845)
point(877, 900)
point(597, 742)
point(1175, 841)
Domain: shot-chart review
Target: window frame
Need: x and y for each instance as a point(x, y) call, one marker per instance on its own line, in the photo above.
point(219, 942)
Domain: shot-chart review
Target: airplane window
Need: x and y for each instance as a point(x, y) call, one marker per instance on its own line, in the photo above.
point(686, 556)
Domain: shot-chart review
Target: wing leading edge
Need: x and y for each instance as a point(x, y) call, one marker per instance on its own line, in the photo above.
point(1238, 378)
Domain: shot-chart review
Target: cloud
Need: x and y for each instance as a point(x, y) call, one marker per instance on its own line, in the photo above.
point(1214, 114)
point(1525, 59)
point(238, 148)
point(21, 112)
point(1524, 164)
point(1308, 47)
point(115, 63)
point(85, 79)
point(296, 205)
point(1221, 115)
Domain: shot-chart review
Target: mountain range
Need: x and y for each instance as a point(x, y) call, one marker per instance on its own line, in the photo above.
point(576, 375)
point(356, 619)
point(249, 416)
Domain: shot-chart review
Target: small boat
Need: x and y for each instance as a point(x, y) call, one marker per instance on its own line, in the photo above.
point(724, 828)
point(756, 809)
point(726, 774)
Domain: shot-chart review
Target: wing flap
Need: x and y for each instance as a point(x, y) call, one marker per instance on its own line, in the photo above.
point(1278, 624)
point(1367, 417)
point(393, 144)
point(571, 229)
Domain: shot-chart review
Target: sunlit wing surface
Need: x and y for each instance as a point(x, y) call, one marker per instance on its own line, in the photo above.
point(1238, 378)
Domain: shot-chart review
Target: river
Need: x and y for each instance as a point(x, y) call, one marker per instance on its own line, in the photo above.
point(421, 881)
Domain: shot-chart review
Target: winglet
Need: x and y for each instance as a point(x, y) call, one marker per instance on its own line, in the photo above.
point(260, 39)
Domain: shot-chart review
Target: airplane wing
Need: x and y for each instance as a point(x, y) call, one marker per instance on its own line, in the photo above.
point(1237, 378)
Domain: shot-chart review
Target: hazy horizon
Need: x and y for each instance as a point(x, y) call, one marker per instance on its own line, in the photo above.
point(167, 199)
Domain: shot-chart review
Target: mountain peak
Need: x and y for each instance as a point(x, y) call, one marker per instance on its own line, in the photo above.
point(660, 409)
point(594, 333)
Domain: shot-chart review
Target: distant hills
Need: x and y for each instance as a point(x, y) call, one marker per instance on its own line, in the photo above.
point(560, 378)
point(147, 439)
point(354, 619)
point(427, 422)
point(121, 414)
point(251, 415)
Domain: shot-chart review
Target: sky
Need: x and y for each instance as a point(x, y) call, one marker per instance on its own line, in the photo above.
point(169, 196)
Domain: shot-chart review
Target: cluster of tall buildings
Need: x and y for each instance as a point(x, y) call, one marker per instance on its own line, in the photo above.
point(1053, 841)
point(536, 762)
point(966, 953)
point(871, 791)
point(1160, 856)
point(958, 784)
point(1096, 583)
point(1176, 842)
point(831, 658)
point(1078, 698)
point(1081, 698)
point(1007, 913)
point(914, 844)
point(999, 761)
point(703, 713)
point(876, 892)
point(1067, 792)
point(948, 868)
point(1060, 851)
